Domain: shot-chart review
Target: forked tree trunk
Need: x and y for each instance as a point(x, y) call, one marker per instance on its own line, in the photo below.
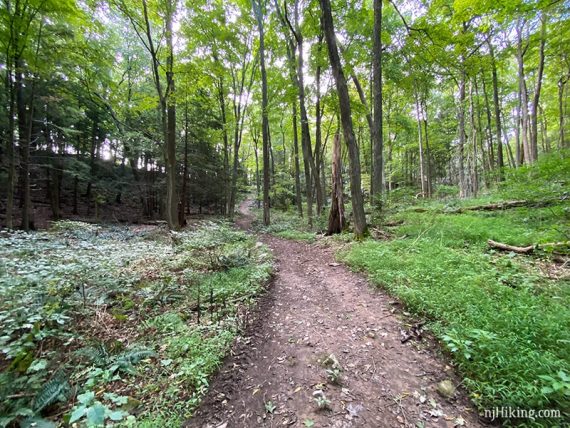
point(346, 120)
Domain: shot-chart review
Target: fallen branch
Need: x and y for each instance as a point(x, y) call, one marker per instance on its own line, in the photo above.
point(507, 247)
point(549, 246)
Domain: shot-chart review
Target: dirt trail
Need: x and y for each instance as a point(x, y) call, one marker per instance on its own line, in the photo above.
point(315, 308)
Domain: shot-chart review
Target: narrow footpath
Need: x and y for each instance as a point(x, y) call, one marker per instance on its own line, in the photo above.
point(325, 349)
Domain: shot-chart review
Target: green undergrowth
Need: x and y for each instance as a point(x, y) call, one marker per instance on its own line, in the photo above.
point(504, 318)
point(119, 325)
point(288, 224)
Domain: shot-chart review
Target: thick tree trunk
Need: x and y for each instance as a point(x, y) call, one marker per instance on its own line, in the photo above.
point(337, 220)
point(377, 161)
point(346, 120)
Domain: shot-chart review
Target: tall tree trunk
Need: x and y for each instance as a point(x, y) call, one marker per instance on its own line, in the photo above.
point(172, 199)
point(10, 151)
point(423, 183)
point(428, 169)
point(337, 220)
point(474, 131)
point(526, 144)
point(538, 86)
point(488, 126)
point(498, 130)
point(561, 137)
point(318, 135)
point(310, 168)
point(257, 178)
point(298, 198)
point(346, 119)
point(184, 193)
point(463, 192)
point(377, 160)
point(222, 102)
point(264, 113)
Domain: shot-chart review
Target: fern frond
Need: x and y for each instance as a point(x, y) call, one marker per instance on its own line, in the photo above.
point(56, 389)
point(134, 356)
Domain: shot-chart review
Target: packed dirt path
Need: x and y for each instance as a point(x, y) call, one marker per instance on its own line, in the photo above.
point(316, 314)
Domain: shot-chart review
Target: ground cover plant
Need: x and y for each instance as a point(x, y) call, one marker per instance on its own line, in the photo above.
point(123, 325)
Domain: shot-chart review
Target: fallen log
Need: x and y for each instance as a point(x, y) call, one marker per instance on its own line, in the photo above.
point(509, 204)
point(507, 247)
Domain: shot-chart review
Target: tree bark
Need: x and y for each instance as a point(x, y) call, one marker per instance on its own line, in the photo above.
point(346, 120)
point(526, 144)
point(298, 198)
point(337, 220)
point(172, 199)
point(538, 86)
point(500, 161)
point(463, 192)
point(561, 84)
point(264, 112)
point(377, 161)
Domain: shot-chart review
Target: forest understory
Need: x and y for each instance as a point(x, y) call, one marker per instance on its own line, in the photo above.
point(132, 328)
point(318, 213)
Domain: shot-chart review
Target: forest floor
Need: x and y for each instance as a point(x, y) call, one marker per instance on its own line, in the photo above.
point(325, 349)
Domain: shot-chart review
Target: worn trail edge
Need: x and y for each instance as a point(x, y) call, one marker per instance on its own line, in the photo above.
point(315, 308)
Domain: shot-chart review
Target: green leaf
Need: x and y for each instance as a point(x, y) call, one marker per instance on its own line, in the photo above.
point(96, 415)
point(38, 365)
point(77, 414)
point(116, 415)
point(86, 398)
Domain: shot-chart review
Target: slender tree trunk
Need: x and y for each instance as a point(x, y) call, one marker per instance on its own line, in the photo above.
point(377, 136)
point(498, 129)
point(488, 126)
point(257, 177)
point(423, 183)
point(526, 144)
point(538, 86)
point(428, 168)
point(463, 192)
point(298, 198)
point(184, 193)
point(222, 101)
point(474, 131)
point(264, 113)
point(561, 137)
point(310, 168)
point(10, 152)
point(318, 137)
point(346, 119)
